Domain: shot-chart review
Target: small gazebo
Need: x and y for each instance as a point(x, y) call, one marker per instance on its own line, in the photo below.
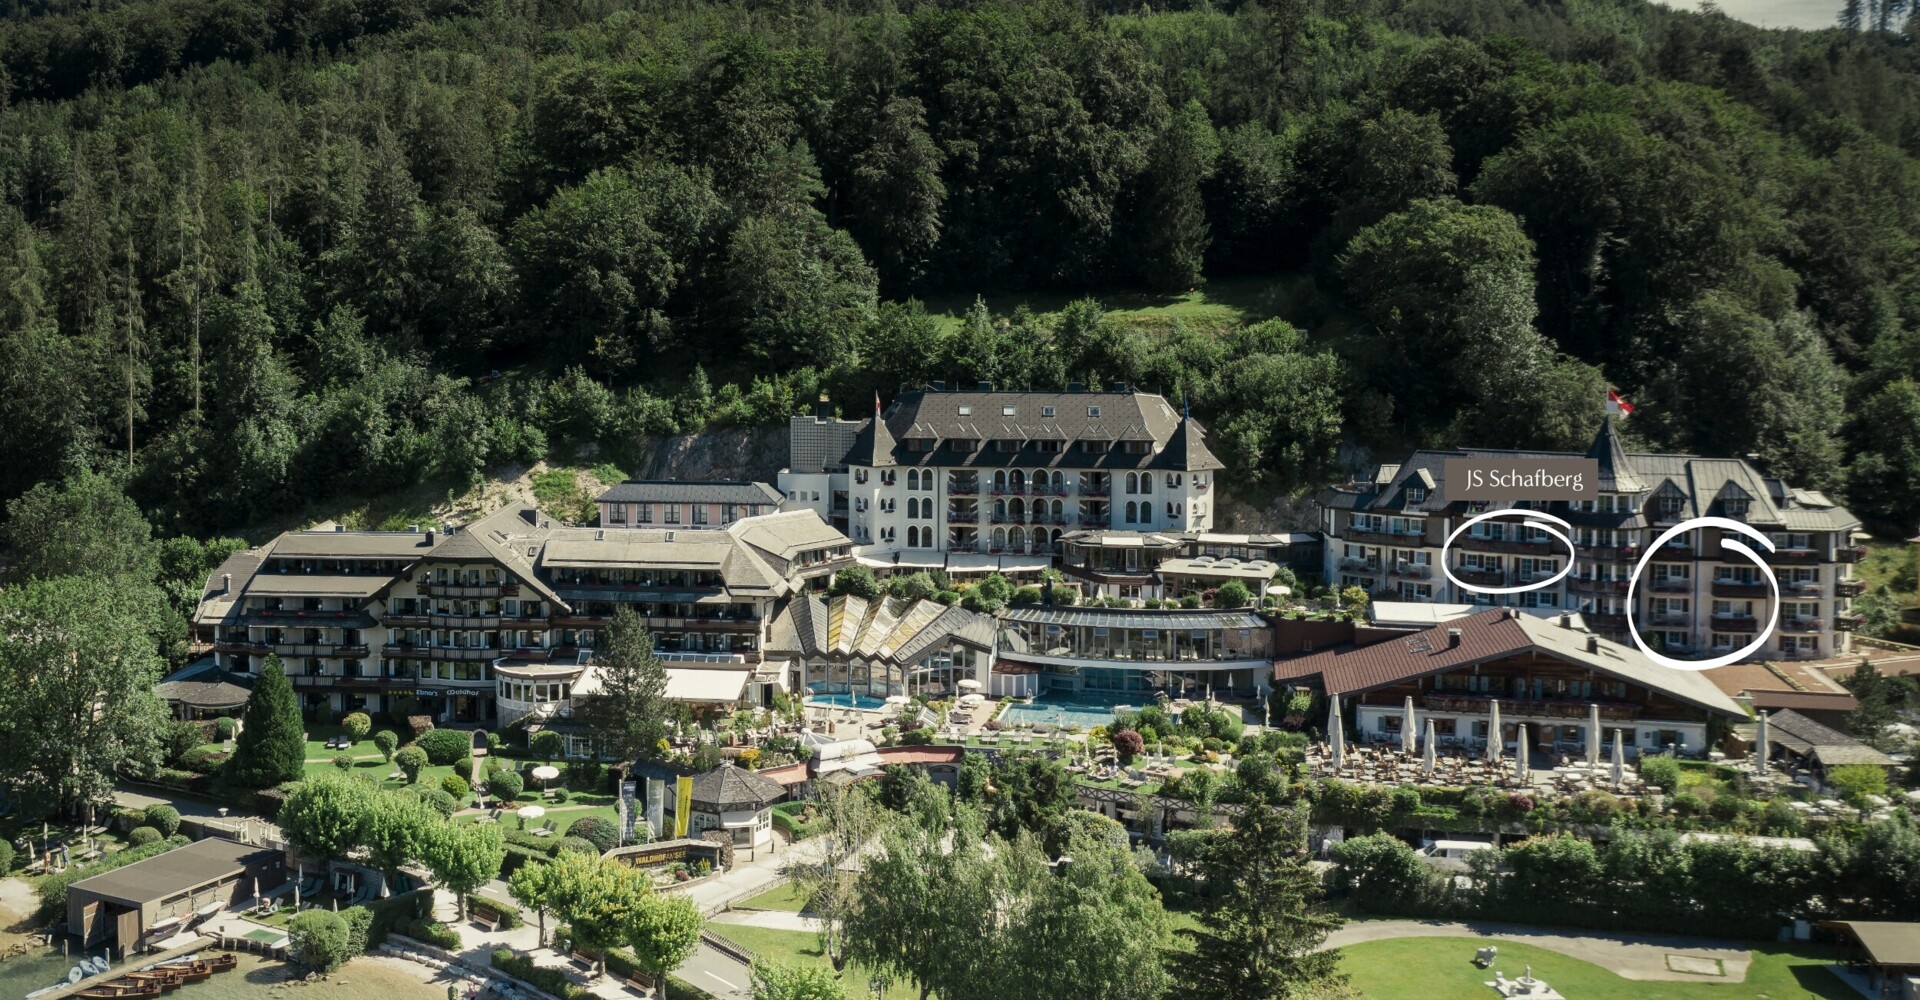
point(737, 801)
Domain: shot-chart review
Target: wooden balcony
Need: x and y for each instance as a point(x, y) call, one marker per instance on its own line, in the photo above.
point(1383, 537)
point(1672, 585)
point(1849, 588)
point(1584, 585)
point(1509, 545)
point(1480, 577)
point(1803, 626)
point(478, 591)
point(1850, 554)
point(1739, 588)
point(1728, 623)
point(1848, 621)
point(1476, 704)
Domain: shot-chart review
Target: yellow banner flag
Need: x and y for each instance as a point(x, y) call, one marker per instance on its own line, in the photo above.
point(683, 806)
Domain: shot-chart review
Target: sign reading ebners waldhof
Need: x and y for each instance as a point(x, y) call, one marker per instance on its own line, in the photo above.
point(1515, 477)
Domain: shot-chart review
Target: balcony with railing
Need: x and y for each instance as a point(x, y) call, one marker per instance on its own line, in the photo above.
point(1802, 626)
point(1543, 708)
point(1669, 619)
point(1095, 486)
point(1608, 551)
point(1797, 557)
point(1848, 621)
point(1605, 621)
point(1480, 577)
point(1735, 623)
point(1489, 543)
point(1849, 588)
point(1382, 536)
point(1672, 585)
point(1412, 571)
point(478, 591)
point(1595, 585)
point(963, 485)
point(1850, 553)
point(1360, 565)
point(1734, 587)
point(967, 512)
point(1801, 588)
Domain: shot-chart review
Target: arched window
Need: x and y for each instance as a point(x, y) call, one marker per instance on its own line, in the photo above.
point(1017, 539)
point(1000, 509)
point(913, 507)
point(1133, 486)
point(1132, 508)
point(999, 479)
point(1017, 509)
point(999, 538)
point(1057, 515)
point(1173, 510)
point(913, 479)
point(1146, 483)
point(1053, 539)
point(1040, 478)
point(1016, 480)
point(913, 537)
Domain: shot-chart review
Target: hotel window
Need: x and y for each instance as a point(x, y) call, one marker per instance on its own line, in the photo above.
point(1416, 494)
point(1093, 411)
point(966, 411)
point(1671, 504)
point(1095, 447)
point(673, 513)
point(1136, 447)
point(1173, 510)
point(1006, 445)
point(1007, 410)
point(1736, 507)
point(1050, 446)
point(617, 513)
point(1046, 411)
point(700, 513)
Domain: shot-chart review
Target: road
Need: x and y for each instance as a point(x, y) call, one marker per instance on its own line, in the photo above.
point(718, 973)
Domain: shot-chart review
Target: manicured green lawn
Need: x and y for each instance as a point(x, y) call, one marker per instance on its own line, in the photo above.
point(1443, 969)
point(786, 896)
point(1221, 304)
point(803, 948)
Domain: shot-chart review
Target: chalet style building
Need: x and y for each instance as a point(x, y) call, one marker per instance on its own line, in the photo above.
point(430, 622)
point(983, 480)
point(1385, 535)
point(1544, 672)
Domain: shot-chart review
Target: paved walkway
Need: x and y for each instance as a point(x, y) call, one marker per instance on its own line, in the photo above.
point(779, 920)
point(1631, 956)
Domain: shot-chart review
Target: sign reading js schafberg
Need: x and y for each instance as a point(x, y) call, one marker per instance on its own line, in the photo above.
point(1503, 477)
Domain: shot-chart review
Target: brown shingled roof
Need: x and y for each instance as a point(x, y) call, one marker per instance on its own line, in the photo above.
point(1488, 635)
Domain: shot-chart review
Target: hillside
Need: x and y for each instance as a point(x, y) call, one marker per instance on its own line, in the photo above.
point(267, 257)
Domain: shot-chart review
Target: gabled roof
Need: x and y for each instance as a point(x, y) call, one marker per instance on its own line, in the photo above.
point(1187, 449)
point(873, 444)
point(1823, 743)
point(786, 534)
point(947, 416)
point(1491, 635)
point(885, 629)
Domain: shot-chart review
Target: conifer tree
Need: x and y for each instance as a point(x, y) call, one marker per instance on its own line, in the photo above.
point(271, 747)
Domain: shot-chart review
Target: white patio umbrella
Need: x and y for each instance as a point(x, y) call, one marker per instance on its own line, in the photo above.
point(1619, 761)
point(1336, 737)
point(1593, 735)
point(1407, 735)
point(897, 699)
point(1520, 755)
point(969, 684)
point(1760, 748)
point(1494, 743)
point(529, 812)
point(545, 773)
point(1427, 763)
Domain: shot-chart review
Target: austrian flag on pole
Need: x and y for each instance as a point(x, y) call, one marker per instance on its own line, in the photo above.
point(1617, 406)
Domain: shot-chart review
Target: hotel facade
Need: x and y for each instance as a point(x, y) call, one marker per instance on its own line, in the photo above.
point(1696, 600)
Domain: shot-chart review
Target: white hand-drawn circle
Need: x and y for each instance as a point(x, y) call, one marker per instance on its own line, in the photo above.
point(1731, 545)
point(1528, 518)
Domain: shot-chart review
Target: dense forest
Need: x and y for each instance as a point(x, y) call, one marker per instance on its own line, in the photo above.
point(260, 253)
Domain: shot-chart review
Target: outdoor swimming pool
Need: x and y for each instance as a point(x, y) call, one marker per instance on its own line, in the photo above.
point(1058, 710)
point(865, 703)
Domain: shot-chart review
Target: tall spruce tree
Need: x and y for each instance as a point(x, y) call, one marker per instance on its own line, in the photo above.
point(271, 747)
point(629, 714)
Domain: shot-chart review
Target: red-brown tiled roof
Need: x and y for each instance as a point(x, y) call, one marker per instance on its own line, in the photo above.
point(920, 755)
point(1488, 635)
point(1805, 701)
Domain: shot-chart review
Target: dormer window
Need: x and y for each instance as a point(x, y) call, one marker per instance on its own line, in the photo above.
point(964, 444)
point(1046, 411)
point(1006, 444)
point(1736, 507)
point(966, 411)
point(1008, 410)
point(1093, 411)
point(920, 444)
point(1416, 494)
point(1136, 447)
point(1095, 447)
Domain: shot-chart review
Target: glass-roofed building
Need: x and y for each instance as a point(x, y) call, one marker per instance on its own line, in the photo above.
point(1113, 651)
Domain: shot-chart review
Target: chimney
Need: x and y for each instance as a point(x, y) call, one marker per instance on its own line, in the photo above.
point(226, 583)
point(1566, 621)
point(430, 534)
point(823, 408)
point(1593, 644)
point(1453, 637)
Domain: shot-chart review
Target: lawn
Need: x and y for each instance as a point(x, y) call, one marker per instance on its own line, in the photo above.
point(1443, 969)
point(803, 948)
point(786, 896)
point(1220, 305)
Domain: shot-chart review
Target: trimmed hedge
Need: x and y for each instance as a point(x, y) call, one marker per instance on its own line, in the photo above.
point(141, 836)
point(446, 746)
point(551, 980)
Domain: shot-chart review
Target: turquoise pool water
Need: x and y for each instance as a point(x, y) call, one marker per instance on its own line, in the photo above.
point(865, 703)
point(1056, 710)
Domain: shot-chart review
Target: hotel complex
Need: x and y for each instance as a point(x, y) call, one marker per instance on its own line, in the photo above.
point(494, 622)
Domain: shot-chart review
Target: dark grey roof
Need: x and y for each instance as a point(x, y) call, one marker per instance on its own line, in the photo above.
point(1706, 483)
point(981, 416)
point(206, 686)
point(1829, 746)
point(689, 491)
point(176, 871)
point(729, 787)
point(1616, 471)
